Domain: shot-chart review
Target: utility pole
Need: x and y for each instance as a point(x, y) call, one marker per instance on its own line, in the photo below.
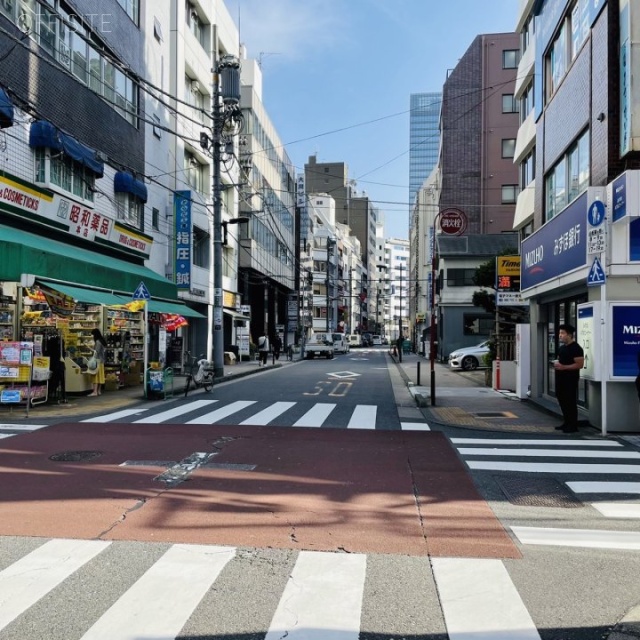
point(400, 343)
point(226, 86)
point(328, 281)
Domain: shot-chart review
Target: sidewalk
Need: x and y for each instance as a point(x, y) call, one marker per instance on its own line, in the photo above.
point(463, 400)
point(80, 404)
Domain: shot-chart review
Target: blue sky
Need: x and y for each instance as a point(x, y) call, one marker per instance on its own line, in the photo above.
point(337, 75)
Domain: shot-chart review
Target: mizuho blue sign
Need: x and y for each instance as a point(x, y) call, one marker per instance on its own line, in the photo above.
point(556, 248)
point(619, 190)
point(625, 327)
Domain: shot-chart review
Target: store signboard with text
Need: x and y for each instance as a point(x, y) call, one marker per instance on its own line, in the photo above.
point(43, 206)
point(558, 247)
point(624, 320)
point(183, 248)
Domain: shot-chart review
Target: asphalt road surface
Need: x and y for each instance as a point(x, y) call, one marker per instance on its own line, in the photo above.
point(295, 503)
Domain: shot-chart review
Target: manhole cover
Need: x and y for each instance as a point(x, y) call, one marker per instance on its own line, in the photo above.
point(537, 492)
point(494, 414)
point(75, 456)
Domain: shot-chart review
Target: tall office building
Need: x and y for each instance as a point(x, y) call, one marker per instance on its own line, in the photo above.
point(424, 138)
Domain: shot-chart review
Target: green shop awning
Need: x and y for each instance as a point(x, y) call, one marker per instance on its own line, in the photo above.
point(22, 252)
point(90, 296)
point(160, 306)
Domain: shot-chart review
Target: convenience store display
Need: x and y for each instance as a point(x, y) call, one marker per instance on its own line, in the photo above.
point(20, 381)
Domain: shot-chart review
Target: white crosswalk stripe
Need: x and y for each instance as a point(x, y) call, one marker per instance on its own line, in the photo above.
point(414, 426)
point(163, 599)
point(269, 414)
point(496, 450)
point(363, 417)
point(169, 595)
point(222, 413)
point(174, 413)
point(316, 415)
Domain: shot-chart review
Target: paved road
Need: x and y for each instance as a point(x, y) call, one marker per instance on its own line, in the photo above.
point(569, 508)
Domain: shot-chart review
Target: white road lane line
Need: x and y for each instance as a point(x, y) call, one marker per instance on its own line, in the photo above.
point(585, 538)
point(220, 414)
point(617, 509)
point(322, 598)
point(480, 601)
point(316, 415)
point(162, 600)
point(549, 453)
point(363, 417)
point(604, 487)
point(270, 413)
point(6, 435)
point(22, 427)
point(180, 410)
point(553, 467)
point(542, 443)
point(24, 582)
point(415, 426)
point(108, 417)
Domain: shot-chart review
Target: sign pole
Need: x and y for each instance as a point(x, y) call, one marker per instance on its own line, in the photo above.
point(146, 345)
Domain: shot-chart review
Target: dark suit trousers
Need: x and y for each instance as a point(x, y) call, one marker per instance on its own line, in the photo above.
point(567, 395)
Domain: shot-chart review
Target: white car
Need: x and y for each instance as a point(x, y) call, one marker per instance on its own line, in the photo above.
point(470, 358)
point(340, 343)
point(376, 341)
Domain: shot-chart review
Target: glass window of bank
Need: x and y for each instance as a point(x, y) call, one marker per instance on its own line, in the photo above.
point(562, 312)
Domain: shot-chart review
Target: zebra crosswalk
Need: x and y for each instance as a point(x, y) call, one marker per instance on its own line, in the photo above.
point(107, 590)
point(251, 412)
point(595, 458)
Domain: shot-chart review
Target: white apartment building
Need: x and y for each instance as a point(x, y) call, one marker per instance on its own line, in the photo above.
point(399, 278)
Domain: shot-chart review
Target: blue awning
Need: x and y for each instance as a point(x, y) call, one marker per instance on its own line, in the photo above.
point(6, 110)
point(124, 182)
point(44, 134)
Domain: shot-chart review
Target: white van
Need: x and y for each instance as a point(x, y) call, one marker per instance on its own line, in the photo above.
point(340, 343)
point(354, 340)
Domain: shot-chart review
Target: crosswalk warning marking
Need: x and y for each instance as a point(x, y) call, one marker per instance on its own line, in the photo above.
point(363, 417)
point(553, 467)
point(550, 442)
point(162, 600)
point(316, 416)
point(32, 577)
point(269, 414)
point(415, 426)
point(550, 453)
point(116, 415)
point(604, 487)
point(479, 600)
point(585, 538)
point(222, 413)
point(618, 509)
point(180, 410)
point(311, 600)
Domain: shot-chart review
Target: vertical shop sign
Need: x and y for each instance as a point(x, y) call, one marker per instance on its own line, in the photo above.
point(182, 217)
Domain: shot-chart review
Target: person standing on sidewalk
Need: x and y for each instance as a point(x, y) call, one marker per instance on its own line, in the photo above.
point(263, 348)
point(570, 361)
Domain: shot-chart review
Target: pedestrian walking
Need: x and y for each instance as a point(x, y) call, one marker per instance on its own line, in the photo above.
point(263, 348)
point(98, 358)
point(277, 347)
point(567, 366)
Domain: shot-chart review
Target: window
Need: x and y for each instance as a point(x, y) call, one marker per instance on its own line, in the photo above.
point(528, 169)
point(155, 218)
point(526, 102)
point(157, 30)
point(460, 277)
point(130, 210)
point(201, 248)
point(195, 24)
point(510, 58)
point(509, 193)
point(157, 131)
point(132, 7)
point(478, 324)
point(194, 172)
point(508, 147)
point(509, 103)
point(68, 175)
point(72, 40)
point(568, 178)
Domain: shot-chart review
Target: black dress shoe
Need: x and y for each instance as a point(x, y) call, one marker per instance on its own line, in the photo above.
point(570, 430)
point(560, 427)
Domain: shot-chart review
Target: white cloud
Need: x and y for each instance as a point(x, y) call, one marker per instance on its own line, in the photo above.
point(289, 30)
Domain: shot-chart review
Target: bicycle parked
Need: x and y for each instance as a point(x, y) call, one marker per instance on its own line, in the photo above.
point(200, 373)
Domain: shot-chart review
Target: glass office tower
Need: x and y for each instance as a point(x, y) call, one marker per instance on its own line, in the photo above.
point(424, 138)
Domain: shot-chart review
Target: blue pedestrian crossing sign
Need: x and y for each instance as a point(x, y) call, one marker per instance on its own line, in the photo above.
point(596, 275)
point(142, 293)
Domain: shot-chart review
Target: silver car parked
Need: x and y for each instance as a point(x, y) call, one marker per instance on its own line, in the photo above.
point(470, 358)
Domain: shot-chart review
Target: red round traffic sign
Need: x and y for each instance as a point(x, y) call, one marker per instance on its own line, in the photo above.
point(453, 222)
